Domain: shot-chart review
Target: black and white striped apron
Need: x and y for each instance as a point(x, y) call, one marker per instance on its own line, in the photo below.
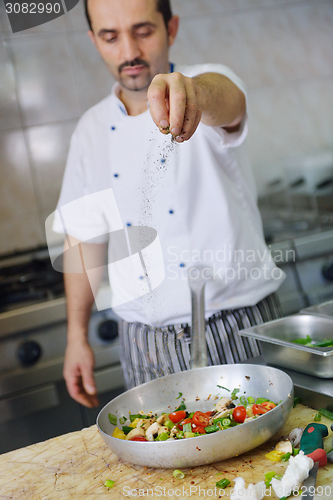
point(148, 352)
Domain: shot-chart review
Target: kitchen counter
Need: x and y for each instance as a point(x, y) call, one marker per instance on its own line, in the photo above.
point(76, 466)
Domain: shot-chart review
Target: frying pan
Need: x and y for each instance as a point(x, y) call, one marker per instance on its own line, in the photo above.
point(199, 386)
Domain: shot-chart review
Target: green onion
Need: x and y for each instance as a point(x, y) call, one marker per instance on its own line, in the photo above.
point(317, 417)
point(109, 483)
point(296, 401)
point(191, 414)
point(305, 341)
point(187, 427)
point(323, 343)
point(250, 400)
point(180, 435)
point(269, 475)
point(112, 419)
point(182, 407)
point(296, 451)
point(138, 415)
point(180, 395)
point(221, 387)
point(212, 428)
point(122, 420)
point(126, 429)
point(178, 474)
point(169, 424)
point(285, 457)
point(326, 413)
point(278, 476)
point(223, 483)
point(188, 434)
point(226, 422)
point(243, 401)
point(163, 436)
point(234, 392)
point(261, 400)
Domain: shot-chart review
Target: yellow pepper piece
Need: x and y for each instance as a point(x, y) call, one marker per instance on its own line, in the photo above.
point(274, 455)
point(134, 423)
point(117, 433)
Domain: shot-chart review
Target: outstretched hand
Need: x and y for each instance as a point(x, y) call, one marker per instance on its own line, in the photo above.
point(175, 104)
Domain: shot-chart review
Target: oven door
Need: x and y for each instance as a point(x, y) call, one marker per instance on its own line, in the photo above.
point(35, 404)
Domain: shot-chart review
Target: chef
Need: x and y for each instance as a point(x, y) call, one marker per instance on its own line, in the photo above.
point(165, 151)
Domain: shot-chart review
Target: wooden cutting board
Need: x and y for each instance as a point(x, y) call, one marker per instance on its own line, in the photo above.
point(76, 466)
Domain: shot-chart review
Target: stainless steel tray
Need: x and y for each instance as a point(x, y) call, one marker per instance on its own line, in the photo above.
point(325, 309)
point(276, 347)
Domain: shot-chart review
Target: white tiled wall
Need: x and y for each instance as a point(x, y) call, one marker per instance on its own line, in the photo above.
point(49, 75)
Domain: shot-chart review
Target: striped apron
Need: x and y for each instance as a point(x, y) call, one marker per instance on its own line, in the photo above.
point(148, 353)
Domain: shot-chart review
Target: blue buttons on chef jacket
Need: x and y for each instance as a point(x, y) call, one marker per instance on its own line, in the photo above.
point(182, 264)
point(163, 160)
point(128, 224)
point(115, 175)
point(113, 127)
point(170, 211)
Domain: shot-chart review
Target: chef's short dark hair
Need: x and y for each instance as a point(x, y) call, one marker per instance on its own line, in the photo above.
point(162, 6)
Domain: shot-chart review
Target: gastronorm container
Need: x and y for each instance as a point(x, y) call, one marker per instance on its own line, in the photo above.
point(325, 309)
point(276, 347)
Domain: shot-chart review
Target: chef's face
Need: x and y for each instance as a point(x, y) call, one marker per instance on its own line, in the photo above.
point(132, 39)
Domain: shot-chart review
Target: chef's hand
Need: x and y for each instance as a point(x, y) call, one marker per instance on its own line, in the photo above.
point(175, 104)
point(79, 375)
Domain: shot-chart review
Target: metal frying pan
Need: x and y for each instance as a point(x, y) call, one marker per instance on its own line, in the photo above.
point(198, 388)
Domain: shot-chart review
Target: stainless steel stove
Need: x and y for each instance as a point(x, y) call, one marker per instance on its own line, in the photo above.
point(34, 403)
point(299, 232)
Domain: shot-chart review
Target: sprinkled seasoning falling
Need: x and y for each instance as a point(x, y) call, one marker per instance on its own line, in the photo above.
point(153, 173)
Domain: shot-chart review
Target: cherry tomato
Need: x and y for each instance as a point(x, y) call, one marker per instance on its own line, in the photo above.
point(186, 421)
point(239, 414)
point(258, 409)
point(201, 419)
point(177, 416)
point(208, 413)
point(198, 428)
point(138, 438)
point(268, 405)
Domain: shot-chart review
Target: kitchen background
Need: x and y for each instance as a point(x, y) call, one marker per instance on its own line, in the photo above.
point(49, 75)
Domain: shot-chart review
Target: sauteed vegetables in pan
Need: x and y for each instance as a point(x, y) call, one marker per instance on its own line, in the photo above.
point(181, 424)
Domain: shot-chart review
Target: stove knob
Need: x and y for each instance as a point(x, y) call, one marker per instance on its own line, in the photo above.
point(327, 270)
point(29, 352)
point(108, 330)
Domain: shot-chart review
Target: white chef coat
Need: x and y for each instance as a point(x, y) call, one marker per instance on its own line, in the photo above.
point(199, 196)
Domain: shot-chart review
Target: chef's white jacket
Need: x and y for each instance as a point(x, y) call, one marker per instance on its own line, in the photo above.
point(198, 196)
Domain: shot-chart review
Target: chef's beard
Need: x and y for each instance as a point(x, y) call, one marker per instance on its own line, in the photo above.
point(135, 86)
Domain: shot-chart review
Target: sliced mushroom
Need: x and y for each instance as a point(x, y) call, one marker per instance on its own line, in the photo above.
point(162, 419)
point(163, 428)
point(284, 446)
point(295, 436)
point(145, 423)
point(222, 404)
point(174, 431)
point(152, 431)
point(135, 432)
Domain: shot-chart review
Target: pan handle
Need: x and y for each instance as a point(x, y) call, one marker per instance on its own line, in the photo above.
point(197, 278)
